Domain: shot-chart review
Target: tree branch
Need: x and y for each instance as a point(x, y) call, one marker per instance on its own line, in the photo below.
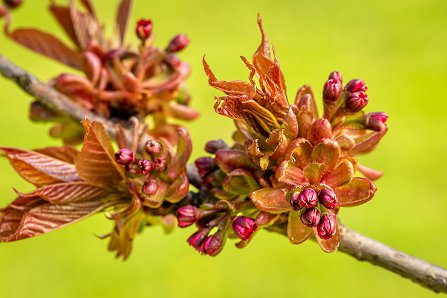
point(352, 243)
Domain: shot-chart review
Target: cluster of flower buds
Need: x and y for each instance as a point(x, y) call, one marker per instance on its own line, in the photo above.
point(118, 82)
point(294, 167)
point(316, 209)
point(214, 224)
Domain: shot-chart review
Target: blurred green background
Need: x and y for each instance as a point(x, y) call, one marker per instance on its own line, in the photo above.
point(398, 47)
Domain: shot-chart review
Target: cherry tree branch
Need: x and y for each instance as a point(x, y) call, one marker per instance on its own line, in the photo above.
point(352, 243)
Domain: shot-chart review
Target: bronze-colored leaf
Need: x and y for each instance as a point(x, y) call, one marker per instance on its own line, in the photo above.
point(341, 175)
point(314, 172)
point(18, 223)
point(272, 200)
point(96, 162)
point(300, 151)
point(64, 153)
point(305, 100)
point(369, 173)
point(122, 237)
point(40, 169)
point(182, 153)
point(288, 172)
point(47, 45)
point(122, 18)
point(85, 26)
point(356, 192)
point(231, 159)
point(331, 244)
point(320, 129)
point(240, 182)
point(63, 17)
point(64, 193)
point(296, 230)
point(326, 153)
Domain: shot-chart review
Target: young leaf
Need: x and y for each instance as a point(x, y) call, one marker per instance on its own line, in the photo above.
point(63, 17)
point(47, 45)
point(64, 153)
point(122, 18)
point(96, 163)
point(18, 222)
point(64, 193)
point(40, 169)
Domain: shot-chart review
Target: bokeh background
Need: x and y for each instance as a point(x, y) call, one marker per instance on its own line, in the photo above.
point(398, 47)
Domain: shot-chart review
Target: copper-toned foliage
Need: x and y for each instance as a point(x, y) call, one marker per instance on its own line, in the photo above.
point(118, 81)
point(287, 152)
point(72, 185)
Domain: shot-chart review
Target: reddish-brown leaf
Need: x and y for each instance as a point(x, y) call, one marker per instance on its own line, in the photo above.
point(63, 17)
point(296, 230)
point(288, 172)
point(231, 159)
point(96, 162)
point(40, 169)
point(64, 153)
point(356, 192)
point(85, 26)
point(17, 222)
point(47, 45)
point(122, 18)
point(341, 175)
point(272, 200)
point(326, 153)
point(64, 193)
point(182, 154)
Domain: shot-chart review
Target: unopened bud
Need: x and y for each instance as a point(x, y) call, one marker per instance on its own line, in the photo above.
point(124, 156)
point(335, 75)
point(143, 29)
point(196, 239)
point(187, 215)
point(327, 227)
point(356, 101)
point(150, 187)
point(152, 147)
point(204, 165)
point(213, 244)
point(327, 198)
point(244, 227)
point(311, 217)
point(214, 145)
point(331, 90)
point(178, 43)
point(307, 198)
point(356, 86)
point(160, 164)
point(145, 166)
point(376, 120)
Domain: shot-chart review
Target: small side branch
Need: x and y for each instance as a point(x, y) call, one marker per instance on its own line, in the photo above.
point(352, 243)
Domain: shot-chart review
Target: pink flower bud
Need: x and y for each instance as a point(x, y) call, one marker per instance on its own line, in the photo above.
point(178, 43)
point(12, 3)
point(356, 86)
point(145, 166)
point(307, 198)
point(152, 147)
point(376, 120)
point(150, 187)
point(214, 145)
point(143, 29)
point(356, 101)
point(331, 90)
point(327, 227)
point(335, 75)
point(311, 217)
point(327, 198)
point(187, 215)
point(244, 227)
point(204, 165)
point(196, 239)
point(3, 11)
point(160, 164)
point(213, 244)
point(132, 169)
point(124, 156)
